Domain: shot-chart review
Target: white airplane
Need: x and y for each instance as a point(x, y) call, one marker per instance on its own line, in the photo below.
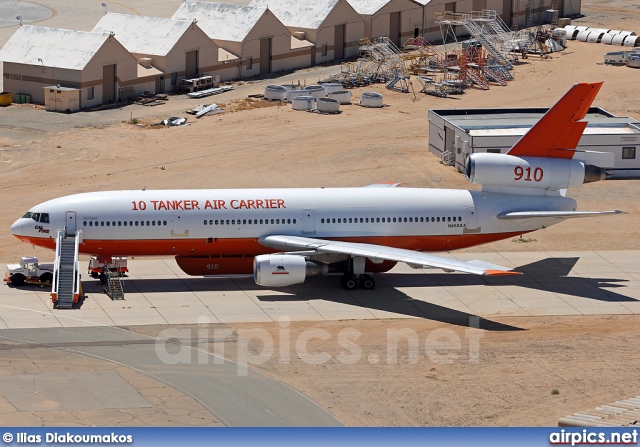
point(284, 236)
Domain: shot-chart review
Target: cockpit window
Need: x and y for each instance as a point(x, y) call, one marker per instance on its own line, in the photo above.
point(38, 217)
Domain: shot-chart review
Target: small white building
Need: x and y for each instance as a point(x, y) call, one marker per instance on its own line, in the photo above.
point(166, 49)
point(455, 134)
point(252, 39)
point(398, 20)
point(36, 57)
point(333, 26)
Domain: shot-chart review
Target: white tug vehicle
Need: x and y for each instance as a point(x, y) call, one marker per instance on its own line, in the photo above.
point(29, 271)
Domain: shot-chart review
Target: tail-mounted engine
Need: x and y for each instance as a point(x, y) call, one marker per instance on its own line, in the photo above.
point(503, 170)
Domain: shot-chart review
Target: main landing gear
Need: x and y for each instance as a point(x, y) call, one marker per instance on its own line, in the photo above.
point(356, 277)
point(350, 281)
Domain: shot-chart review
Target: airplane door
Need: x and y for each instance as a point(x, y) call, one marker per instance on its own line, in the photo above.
point(308, 221)
point(71, 223)
point(472, 220)
point(179, 225)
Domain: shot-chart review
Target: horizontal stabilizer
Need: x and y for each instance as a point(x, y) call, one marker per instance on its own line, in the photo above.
point(558, 214)
point(558, 132)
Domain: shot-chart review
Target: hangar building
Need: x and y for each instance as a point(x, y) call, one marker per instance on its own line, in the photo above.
point(333, 26)
point(454, 134)
point(95, 64)
point(398, 20)
point(254, 40)
point(165, 49)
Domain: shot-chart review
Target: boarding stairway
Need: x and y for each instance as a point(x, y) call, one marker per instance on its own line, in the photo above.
point(113, 288)
point(66, 286)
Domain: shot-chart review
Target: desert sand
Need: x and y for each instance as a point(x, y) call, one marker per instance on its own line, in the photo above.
point(589, 360)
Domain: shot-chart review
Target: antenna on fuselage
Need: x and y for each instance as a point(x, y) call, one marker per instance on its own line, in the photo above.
point(144, 188)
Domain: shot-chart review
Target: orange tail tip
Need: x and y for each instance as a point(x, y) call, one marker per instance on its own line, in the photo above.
point(558, 132)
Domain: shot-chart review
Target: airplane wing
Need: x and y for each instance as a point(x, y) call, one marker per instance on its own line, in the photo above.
point(378, 253)
point(558, 214)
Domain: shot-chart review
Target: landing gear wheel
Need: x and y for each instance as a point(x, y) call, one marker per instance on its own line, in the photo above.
point(367, 282)
point(349, 282)
point(103, 278)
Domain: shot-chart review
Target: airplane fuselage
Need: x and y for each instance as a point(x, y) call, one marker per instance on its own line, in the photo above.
point(228, 223)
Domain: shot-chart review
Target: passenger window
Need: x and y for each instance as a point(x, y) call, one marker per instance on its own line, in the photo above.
point(449, 219)
point(411, 219)
point(322, 220)
point(272, 220)
point(277, 221)
point(142, 223)
point(84, 223)
point(294, 221)
point(90, 223)
point(119, 223)
point(361, 220)
point(260, 221)
point(153, 223)
point(333, 220)
point(405, 219)
point(125, 223)
point(377, 219)
point(164, 222)
point(205, 222)
point(288, 221)
point(131, 223)
point(244, 221)
point(136, 223)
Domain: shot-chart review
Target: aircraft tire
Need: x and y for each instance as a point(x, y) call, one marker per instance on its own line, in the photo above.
point(367, 282)
point(349, 282)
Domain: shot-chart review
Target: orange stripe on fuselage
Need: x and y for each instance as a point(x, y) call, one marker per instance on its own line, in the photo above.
point(251, 247)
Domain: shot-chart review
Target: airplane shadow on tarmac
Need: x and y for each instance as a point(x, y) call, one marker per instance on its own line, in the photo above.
point(547, 275)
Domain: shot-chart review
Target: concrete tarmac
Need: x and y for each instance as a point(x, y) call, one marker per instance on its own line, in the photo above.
point(158, 293)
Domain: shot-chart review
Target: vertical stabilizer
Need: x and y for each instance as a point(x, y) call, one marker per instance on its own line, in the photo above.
point(558, 132)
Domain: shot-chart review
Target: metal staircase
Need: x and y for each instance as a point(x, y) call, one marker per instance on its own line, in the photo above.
point(488, 41)
point(114, 287)
point(65, 287)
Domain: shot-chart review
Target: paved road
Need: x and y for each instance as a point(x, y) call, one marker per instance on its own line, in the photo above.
point(236, 395)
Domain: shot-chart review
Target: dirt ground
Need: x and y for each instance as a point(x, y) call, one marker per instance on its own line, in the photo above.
point(589, 360)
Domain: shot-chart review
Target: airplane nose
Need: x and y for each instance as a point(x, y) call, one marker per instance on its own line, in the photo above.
point(16, 228)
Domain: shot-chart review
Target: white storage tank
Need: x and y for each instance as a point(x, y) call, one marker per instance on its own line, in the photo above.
point(608, 38)
point(317, 91)
point(595, 36)
point(618, 39)
point(342, 96)
point(275, 93)
point(329, 88)
point(328, 105)
point(583, 35)
point(291, 87)
point(572, 31)
point(371, 99)
point(291, 94)
point(302, 103)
